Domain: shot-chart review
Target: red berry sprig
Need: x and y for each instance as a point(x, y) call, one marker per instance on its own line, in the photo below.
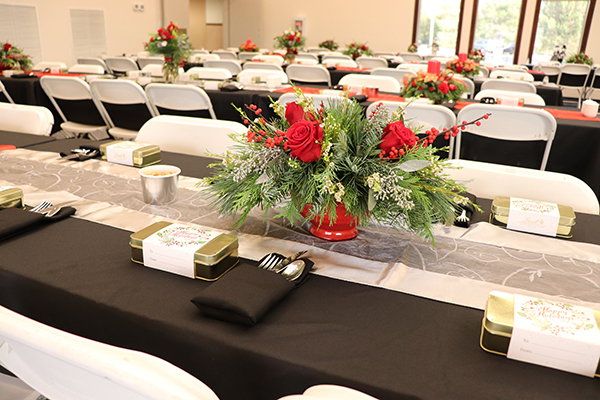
point(452, 131)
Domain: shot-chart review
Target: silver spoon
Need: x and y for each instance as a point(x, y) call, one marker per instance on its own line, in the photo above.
point(293, 270)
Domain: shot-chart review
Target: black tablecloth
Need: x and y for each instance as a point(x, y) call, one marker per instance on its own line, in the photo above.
point(23, 139)
point(552, 95)
point(390, 345)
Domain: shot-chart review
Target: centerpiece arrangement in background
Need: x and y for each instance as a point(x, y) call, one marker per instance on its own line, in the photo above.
point(463, 65)
point(329, 163)
point(356, 50)
point(291, 41)
point(580, 58)
point(249, 47)
point(330, 45)
point(12, 57)
point(476, 55)
point(437, 87)
point(174, 46)
point(413, 48)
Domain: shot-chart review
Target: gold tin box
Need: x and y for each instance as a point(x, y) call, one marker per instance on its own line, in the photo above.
point(211, 261)
point(142, 157)
point(501, 208)
point(498, 321)
point(11, 197)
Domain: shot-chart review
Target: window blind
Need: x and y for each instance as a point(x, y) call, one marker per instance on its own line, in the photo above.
point(89, 33)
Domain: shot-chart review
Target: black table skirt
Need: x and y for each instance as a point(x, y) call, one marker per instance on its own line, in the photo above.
point(552, 96)
point(390, 345)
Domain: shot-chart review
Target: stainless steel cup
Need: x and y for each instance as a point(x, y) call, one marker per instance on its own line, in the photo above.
point(159, 184)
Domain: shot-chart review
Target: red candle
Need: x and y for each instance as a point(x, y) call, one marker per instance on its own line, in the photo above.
point(462, 57)
point(434, 67)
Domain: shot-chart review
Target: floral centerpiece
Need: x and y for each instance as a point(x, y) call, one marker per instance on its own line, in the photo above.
point(249, 47)
point(12, 57)
point(329, 45)
point(356, 50)
point(413, 48)
point(291, 41)
point(580, 58)
point(464, 67)
point(476, 55)
point(329, 161)
point(436, 87)
point(174, 46)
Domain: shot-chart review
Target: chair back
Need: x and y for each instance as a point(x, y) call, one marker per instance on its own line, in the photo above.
point(413, 67)
point(411, 57)
point(226, 54)
point(194, 52)
point(383, 83)
point(517, 75)
point(93, 61)
point(395, 73)
point(143, 61)
point(63, 366)
point(332, 56)
point(318, 99)
point(308, 73)
point(263, 74)
point(333, 392)
point(371, 62)
point(484, 72)
point(155, 70)
point(120, 65)
point(168, 99)
point(574, 76)
point(307, 56)
point(3, 90)
point(86, 69)
point(233, 66)
point(48, 65)
point(210, 73)
point(22, 118)
point(510, 123)
point(468, 83)
point(273, 59)
point(508, 84)
point(529, 99)
point(262, 65)
point(314, 50)
point(594, 86)
point(246, 56)
point(513, 67)
point(187, 135)
point(201, 57)
point(341, 63)
point(488, 180)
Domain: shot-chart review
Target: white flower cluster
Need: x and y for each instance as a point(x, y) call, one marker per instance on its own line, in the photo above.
point(257, 163)
point(388, 188)
point(336, 189)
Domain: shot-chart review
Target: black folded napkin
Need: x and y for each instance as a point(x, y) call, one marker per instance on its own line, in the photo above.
point(81, 156)
point(246, 293)
point(469, 210)
point(21, 76)
point(14, 221)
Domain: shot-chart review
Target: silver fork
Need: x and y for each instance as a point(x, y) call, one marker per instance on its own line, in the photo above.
point(42, 206)
point(463, 216)
point(270, 261)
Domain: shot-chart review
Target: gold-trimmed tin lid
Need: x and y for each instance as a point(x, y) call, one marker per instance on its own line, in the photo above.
point(501, 207)
point(147, 155)
point(10, 196)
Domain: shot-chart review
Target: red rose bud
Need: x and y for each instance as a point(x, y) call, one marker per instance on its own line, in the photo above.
point(7, 46)
point(364, 47)
point(294, 113)
point(304, 140)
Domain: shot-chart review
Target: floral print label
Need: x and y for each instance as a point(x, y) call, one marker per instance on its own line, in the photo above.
point(533, 216)
point(556, 335)
point(122, 152)
point(172, 248)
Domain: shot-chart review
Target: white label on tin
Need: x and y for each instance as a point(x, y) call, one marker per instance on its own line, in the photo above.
point(172, 248)
point(122, 152)
point(533, 216)
point(555, 335)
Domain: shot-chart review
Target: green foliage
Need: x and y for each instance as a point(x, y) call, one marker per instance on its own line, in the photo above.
point(560, 23)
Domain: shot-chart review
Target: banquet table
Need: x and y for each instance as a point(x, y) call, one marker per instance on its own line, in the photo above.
point(385, 313)
point(550, 92)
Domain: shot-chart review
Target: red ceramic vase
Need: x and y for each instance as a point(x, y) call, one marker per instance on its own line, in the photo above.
point(343, 228)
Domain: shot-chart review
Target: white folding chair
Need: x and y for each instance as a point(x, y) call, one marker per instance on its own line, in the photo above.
point(411, 57)
point(274, 59)
point(143, 61)
point(384, 54)
point(93, 61)
point(124, 105)
point(529, 99)
point(226, 54)
point(513, 67)
point(63, 366)
point(155, 70)
point(184, 100)
point(383, 83)
point(307, 56)
point(233, 66)
point(210, 73)
point(511, 74)
point(193, 52)
point(332, 56)
point(188, 135)
point(318, 99)
point(263, 74)
point(65, 89)
point(120, 65)
point(574, 76)
point(41, 66)
point(551, 71)
point(468, 84)
point(86, 69)
point(397, 74)
point(22, 118)
point(262, 65)
point(510, 123)
point(338, 62)
point(413, 67)
point(3, 90)
point(201, 57)
point(483, 72)
point(329, 392)
point(487, 180)
point(508, 84)
point(308, 74)
point(246, 56)
point(371, 62)
point(594, 86)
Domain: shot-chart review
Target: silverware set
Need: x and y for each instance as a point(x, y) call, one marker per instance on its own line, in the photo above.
point(289, 267)
point(46, 208)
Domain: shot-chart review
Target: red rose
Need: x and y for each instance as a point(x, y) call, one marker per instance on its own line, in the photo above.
point(364, 47)
point(7, 46)
point(294, 113)
point(304, 141)
point(452, 86)
point(443, 86)
point(398, 136)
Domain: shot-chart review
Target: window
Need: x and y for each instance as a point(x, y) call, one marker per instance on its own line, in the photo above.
point(19, 26)
point(89, 33)
point(438, 20)
point(496, 29)
point(560, 22)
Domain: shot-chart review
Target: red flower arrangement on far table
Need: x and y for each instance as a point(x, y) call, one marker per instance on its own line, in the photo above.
point(291, 41)
point(437, 87)
point(12, 57)
point(249, 47)
point(174, 46)
point(357, 49)
point(463, 66)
